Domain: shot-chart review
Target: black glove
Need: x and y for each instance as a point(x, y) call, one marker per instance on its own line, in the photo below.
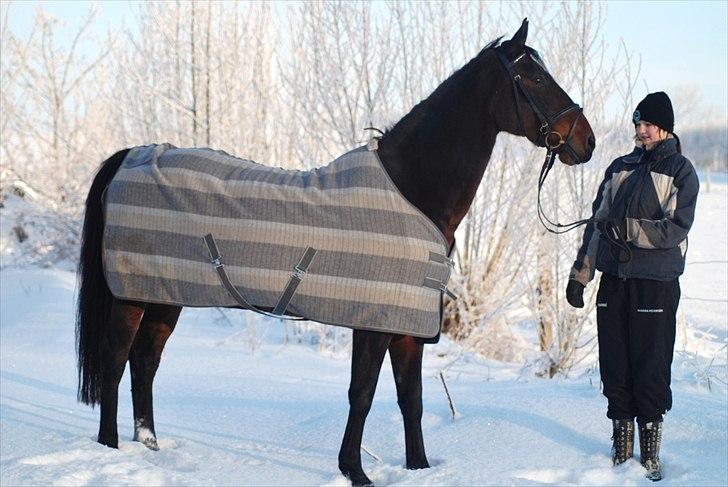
point(575, 293)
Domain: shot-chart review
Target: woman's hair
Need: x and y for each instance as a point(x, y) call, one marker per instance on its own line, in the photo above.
point(669, 135)
point(679, 145)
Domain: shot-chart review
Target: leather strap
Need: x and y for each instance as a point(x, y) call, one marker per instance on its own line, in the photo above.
point(280, 308)
point(299, 273)
point(440, 286)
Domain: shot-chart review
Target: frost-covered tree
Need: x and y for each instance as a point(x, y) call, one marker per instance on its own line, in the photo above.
point(296, 85)
point(50, 137)
point(578, 59)
point(200, 74)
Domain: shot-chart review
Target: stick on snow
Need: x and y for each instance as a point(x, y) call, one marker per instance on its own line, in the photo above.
point(373, 455)
point(449, 398)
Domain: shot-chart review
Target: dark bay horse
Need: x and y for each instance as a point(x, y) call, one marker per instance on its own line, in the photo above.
point(435, 155)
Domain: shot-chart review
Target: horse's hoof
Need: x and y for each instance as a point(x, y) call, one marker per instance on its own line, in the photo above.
point(109, 441)
point(418, 465)
point(150, 443)
point(357, 478)
point(146, 438)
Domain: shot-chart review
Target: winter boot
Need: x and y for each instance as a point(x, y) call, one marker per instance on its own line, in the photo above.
point(623, 440)
point(650, 439)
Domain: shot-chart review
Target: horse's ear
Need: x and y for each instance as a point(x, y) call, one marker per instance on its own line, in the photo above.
point(519, 38)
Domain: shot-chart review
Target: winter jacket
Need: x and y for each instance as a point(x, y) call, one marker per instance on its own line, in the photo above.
point(655, 191)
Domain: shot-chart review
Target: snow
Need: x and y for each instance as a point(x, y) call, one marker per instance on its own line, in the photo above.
point(236, 404)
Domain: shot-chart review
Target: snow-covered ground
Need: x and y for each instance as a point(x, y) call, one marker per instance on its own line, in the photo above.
point(235, 405)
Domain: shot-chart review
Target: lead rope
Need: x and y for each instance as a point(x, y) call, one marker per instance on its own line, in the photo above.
point(557, 228)
point(620, 241)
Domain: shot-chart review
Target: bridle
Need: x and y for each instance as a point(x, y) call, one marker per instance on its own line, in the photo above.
point(549, 137)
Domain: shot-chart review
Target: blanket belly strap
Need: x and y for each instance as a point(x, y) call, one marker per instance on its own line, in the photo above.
point(285, 299)
point(298, 274)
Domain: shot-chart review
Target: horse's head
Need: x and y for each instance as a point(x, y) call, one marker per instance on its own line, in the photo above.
point(535, 106)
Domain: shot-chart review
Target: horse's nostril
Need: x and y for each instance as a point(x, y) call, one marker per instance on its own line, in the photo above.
point(591, 142)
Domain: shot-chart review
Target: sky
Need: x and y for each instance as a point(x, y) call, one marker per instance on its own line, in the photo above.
point(683, 44)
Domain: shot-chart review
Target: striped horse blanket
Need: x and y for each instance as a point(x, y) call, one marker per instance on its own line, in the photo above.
point(380, 264)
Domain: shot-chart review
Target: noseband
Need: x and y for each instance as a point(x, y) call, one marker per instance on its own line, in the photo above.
point(549, 137)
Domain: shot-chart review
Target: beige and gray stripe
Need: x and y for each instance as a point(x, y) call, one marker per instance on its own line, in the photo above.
point(373, 246)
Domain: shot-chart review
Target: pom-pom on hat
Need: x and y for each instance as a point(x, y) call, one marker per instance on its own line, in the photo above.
point(656, 108)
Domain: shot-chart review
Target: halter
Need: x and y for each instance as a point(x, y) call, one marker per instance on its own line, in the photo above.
point(550, 138)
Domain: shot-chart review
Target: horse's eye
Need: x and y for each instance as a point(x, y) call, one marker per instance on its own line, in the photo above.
point(538, 80)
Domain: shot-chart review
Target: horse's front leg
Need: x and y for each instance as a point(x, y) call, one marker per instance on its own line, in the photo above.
point(366, 361)
point(146, 352)
point(121, 329)
point(406, 355)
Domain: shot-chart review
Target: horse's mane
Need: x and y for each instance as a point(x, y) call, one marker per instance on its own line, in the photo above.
point(449, 85)
point(491, 45)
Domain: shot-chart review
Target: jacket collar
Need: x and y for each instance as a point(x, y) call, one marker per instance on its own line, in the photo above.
point(640, 155)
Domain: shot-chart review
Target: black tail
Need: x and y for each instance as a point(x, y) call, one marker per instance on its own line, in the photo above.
point(94, 296)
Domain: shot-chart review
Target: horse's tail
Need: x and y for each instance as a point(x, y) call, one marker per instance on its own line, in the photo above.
point(94, 297)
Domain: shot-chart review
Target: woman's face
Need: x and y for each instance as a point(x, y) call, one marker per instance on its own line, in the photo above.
point(648, 133)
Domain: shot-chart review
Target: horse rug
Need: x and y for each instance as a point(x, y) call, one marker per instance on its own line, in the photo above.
point(380, 264)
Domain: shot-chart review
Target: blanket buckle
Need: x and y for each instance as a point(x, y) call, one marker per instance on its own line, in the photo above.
point(299, 272)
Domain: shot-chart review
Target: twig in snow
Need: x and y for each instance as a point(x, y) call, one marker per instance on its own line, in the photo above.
point(449, 398)
point(373, 455)
point(224, 316)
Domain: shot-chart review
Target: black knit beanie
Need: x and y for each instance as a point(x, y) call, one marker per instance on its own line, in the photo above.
point(656, 108)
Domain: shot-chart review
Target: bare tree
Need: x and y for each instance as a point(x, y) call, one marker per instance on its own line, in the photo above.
point(48, 137)
point(204, 81)
point(340, 76)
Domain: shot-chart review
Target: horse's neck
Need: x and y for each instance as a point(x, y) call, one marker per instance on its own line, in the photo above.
point(438, 159)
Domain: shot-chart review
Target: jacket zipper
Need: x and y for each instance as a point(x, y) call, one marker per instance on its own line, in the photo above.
point(643, 170)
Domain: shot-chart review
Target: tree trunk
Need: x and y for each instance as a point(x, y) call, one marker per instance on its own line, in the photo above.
point(544, 291)
point(193, 69)
point(207, 76)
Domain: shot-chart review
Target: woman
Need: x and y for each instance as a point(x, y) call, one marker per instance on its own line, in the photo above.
point(642, 212)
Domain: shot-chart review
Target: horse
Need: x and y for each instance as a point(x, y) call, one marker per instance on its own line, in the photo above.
point(435, 155)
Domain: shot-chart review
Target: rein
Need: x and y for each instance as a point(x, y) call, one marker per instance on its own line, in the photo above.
point(618, 241)
point(552, 139)
point(556, 228)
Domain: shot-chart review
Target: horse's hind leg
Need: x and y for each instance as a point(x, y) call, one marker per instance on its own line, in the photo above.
point(366, 361)
point(146, 352)
point(406, 355)
point(121, 329)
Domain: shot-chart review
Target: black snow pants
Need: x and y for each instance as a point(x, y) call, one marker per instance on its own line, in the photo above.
point(636, 328)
